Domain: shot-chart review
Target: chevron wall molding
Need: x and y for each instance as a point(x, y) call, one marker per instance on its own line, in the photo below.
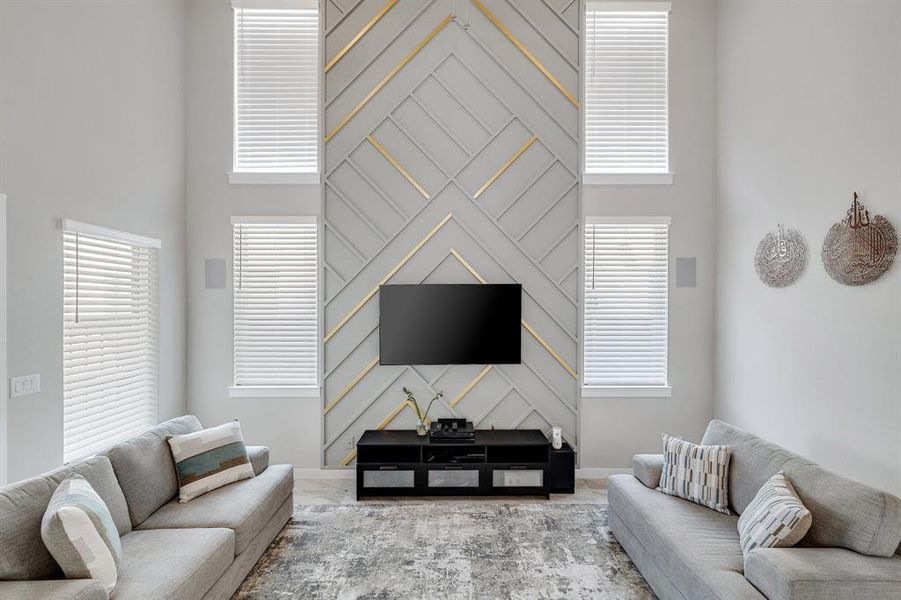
point(451, 156)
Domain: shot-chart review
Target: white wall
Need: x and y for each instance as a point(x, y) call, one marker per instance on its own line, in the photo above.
point(91, 128)
point(291, 427)
point(809, 111)
point(613, 429)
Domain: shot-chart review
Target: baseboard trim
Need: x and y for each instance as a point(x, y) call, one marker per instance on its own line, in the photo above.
point(338, 473)
point(313, 473)
point(600, 472)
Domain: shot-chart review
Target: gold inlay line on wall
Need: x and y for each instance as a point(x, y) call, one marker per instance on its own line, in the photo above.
point(385, 279)
point(503, 29)
point(505, 166)
point(384, 423)
point(384, 152)
point(547, 347)
point(525, 324)
point(388, 77)
point(469, 386)
point(468, 266)
point(360, 34)
point(351, 385)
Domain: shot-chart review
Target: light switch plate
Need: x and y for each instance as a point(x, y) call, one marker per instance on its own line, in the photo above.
point(24, 385)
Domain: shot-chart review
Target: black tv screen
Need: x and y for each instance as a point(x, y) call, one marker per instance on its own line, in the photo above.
point(450, 324)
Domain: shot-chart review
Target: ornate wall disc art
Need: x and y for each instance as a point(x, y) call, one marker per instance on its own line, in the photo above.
point(858, 249)
point(780, 257)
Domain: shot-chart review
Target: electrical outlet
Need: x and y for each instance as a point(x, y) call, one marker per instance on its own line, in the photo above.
point(24, 385)
point(350, 444)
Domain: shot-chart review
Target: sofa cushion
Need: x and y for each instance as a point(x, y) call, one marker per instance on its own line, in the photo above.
point(776, 517)
point(823, 574)
point(846, 513)
point(209, 459)
point(173, 563)
point(22, 506)
point(54, 589)
point(244, 506)
point(145, 468)
point(696, 548)
point(79, 532)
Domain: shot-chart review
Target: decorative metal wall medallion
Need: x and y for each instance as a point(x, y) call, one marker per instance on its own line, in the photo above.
point(858, 249)
point(781, 257)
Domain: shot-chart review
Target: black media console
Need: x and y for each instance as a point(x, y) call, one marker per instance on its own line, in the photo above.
point(497, 462)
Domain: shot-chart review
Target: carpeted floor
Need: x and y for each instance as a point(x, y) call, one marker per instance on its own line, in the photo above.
point(446, 551)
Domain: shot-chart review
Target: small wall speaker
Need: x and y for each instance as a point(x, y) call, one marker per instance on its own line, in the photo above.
point(686, 271)
point(214, 273)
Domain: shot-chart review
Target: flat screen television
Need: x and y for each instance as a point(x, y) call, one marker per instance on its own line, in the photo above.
point(450, 324)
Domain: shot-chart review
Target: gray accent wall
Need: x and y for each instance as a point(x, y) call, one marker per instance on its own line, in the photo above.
point(451, 117)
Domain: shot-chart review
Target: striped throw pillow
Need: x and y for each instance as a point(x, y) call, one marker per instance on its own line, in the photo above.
point(209, 459)
point(79, 532)
point(775, 518)
point(696, 473)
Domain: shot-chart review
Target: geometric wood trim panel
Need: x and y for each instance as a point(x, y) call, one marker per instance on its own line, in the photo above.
point(451, 156)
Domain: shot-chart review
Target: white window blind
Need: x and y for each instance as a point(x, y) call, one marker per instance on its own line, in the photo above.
point(275, 302)
point(626, 114)
point(626, 290)
point(110, 337)
point(276, 86)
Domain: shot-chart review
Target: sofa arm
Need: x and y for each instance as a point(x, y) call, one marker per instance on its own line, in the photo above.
point(259, 458)
point(821, 573)
point(53, 589)
point(647, 469)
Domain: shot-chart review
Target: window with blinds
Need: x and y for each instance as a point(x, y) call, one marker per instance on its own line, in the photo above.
point(626, 291)
point(110, 337)
point(276, 325)
point(276, 86)
point(626, 112)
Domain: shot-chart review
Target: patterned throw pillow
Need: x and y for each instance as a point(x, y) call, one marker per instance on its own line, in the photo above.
point(209, 459)
point(775, 518)
point(696, 473)
point(79, 532)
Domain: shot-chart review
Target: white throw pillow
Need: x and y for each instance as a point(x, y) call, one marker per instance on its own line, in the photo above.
point(79, 532)
point(209, 459)
point(775, 518)
point(696, 473)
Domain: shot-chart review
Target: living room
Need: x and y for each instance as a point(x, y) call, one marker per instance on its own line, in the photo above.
point(694, 390)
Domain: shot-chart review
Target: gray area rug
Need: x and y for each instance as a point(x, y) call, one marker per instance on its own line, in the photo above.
point(446, 551)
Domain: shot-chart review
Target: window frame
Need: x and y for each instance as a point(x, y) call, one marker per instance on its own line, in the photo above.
point(623, 391)
point(312, 178)
point(69, 226)
point(282, 391)
point(600, 179)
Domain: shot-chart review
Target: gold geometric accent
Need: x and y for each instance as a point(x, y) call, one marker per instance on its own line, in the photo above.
point(349, 458)
point(384, 152)
point(384, 423)
point(469, 386)
point(360, 34)
point(547, 347)
point(388, 77)
point(384, 279)
point(468, 266)
point(569, 95)
point(505, 166)
point(525, 324)
point(351, 385)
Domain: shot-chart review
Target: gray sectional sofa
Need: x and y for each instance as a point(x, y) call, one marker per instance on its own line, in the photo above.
point(687, 551)
point(201, 549)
